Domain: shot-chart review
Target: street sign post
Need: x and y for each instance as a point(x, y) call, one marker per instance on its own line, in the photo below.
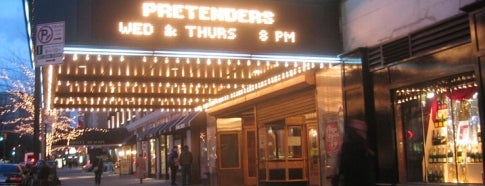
point(49, 45)
point(49, 49)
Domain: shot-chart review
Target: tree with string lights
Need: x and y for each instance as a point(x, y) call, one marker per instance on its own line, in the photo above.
point(17, 113)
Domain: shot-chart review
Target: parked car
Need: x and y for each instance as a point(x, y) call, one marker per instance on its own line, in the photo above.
point(13, 174)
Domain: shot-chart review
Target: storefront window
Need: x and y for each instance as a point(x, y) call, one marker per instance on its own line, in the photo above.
point(282, 150)
point(163, 155)
point(441, 131)
point(153, 157)
point(294, 142)
point(275, 142)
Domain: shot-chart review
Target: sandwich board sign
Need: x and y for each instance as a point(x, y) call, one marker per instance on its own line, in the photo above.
point(49, 43)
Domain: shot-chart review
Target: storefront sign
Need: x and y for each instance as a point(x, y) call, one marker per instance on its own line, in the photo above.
point(181, 125)
point(87, 142)
point(239, 26)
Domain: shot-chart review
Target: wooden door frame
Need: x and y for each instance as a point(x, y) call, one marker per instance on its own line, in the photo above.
point(245, 157)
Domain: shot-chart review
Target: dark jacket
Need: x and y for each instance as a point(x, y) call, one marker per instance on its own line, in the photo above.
point(43, 172)
point(100, 165)
point(173, 158)
point(357, 160)
point(185, 158)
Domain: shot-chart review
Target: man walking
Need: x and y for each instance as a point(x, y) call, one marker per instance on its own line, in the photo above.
point(98, 170)
point(186, 162)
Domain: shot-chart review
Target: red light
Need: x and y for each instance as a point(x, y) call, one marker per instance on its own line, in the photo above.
point(410, 134)
point(32, 160)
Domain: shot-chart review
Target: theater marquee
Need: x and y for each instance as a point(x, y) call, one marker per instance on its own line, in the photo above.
point(261, 27)
point(197, 16)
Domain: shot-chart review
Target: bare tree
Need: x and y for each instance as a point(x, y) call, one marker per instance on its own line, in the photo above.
point(20, 105)
point(20, 108)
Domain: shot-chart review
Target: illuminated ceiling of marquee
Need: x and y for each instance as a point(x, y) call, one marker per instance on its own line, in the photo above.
point(112, 80)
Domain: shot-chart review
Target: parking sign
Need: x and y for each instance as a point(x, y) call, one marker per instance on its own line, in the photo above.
point(49, 45)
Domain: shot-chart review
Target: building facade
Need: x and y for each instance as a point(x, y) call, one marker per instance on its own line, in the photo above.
point(276, 98)
point(424, 86)
point(191, 56)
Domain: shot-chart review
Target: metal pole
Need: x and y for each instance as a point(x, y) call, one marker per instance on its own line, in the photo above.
point(37, 112)
point(37, 90)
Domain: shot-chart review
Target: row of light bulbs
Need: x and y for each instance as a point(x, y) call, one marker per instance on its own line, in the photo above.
point(129, 84)
point(179, 101)
point(410, 94)
point(297, 66)
point(127, 101)
point(104, 109)
point(205, 90)
point(270, 81)
point(208, 60)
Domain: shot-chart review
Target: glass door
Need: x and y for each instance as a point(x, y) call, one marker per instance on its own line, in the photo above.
point(313, 155)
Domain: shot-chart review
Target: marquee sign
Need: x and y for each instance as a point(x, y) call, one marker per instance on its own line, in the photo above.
point(241, 26)
point(198, 15)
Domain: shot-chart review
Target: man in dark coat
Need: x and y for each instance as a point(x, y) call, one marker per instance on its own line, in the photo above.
point(186, 163)
point(173, 162)
point(357, 159)
point(98, 170)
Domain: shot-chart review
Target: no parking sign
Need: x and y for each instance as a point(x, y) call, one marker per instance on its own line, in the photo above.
point(49, 45)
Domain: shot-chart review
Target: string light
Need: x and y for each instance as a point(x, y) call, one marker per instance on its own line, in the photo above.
point(226, 72)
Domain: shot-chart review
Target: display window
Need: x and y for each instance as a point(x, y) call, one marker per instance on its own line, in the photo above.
point(163, 155)
point(438, 131)
point(153, 157)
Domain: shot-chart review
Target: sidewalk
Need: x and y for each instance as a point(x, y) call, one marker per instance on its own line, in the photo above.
point(78, 177)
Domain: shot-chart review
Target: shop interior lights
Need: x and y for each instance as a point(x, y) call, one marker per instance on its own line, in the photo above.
point(171, 81)
point(404, 95)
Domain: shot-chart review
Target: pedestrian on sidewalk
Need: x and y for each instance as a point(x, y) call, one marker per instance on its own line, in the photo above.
point(173, 162)
point(140, 167)
point(186, 163)
point(357, 158)
point(98, 170)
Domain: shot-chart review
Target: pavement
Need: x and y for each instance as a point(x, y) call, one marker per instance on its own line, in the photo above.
point(78, 177)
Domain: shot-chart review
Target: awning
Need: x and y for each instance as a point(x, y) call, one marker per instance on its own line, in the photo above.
point(97, 137)
point(184, 121)
point(166, 128)
point(150, 133)
point(177, 123)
